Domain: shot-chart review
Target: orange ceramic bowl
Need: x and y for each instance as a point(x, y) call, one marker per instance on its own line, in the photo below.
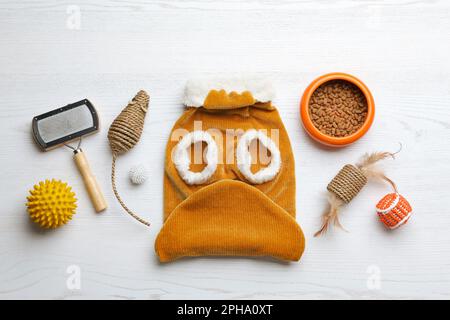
point(315, 133)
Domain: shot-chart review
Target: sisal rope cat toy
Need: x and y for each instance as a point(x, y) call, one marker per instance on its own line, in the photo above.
point(124, 133)
point(393, 210)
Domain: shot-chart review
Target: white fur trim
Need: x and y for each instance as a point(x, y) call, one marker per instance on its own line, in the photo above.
point(182, 161)
point(197, 90)
point(244, 158)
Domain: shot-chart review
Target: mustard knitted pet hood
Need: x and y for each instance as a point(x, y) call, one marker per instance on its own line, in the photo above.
point(229, 183)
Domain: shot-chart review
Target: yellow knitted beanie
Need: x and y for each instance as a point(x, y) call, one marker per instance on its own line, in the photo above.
point(229, 183)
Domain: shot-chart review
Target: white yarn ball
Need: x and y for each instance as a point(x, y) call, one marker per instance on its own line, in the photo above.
point(138, 174)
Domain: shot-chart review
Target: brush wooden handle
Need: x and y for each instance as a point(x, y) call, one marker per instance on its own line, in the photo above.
point(91, 184)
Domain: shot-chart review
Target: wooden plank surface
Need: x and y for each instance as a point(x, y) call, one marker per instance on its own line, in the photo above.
point(400, 49)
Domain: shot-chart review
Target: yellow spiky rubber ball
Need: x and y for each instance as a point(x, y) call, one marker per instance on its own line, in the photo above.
point(51, 204)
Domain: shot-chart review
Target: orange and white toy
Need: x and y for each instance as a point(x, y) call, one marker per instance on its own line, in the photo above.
point(393, 210)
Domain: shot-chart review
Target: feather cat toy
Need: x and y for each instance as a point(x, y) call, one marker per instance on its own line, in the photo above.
point(393, 210)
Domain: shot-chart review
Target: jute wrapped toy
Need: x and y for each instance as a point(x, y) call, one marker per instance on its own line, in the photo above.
point(124, 133)
point(393, 210)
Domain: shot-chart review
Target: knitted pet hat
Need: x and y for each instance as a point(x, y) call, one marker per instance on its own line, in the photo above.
point(224, 193)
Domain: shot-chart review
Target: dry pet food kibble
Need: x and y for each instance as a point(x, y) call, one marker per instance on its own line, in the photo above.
point(338, 108)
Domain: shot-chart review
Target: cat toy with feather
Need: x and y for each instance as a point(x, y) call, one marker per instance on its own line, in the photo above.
point(393, 210)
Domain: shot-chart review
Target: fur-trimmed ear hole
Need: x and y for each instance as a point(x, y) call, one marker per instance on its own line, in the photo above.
point(245, 160)
point(182, 160)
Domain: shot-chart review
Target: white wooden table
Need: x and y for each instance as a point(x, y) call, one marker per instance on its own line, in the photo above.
point(56, 52)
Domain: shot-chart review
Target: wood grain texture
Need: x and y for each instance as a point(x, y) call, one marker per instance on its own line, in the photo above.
point(399, 48)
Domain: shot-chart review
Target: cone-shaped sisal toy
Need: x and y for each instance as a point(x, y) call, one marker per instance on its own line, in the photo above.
point(124, 133)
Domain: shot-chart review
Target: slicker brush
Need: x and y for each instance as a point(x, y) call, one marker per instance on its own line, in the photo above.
point(124, 133)
point(51, 204)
